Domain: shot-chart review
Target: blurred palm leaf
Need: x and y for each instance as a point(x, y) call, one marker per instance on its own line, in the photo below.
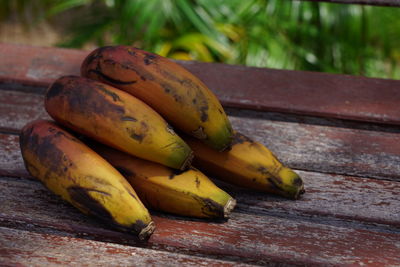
point(64, 5)
point(314, 36)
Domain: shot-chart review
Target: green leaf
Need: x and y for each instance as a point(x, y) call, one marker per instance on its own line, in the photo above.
point(62, 6)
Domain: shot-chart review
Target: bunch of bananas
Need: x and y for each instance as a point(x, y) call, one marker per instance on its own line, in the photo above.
point(112, 152)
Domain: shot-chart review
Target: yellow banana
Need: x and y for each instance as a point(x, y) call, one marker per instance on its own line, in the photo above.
point(248, 164)
point(73, 171)
point(175, 93)
point(186, 193)
point(115, 118)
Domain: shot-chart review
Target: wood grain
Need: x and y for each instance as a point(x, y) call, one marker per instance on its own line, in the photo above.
point(246, 237)
point(335, 196)
point(11, 162)
point(331, 195)
point(20, 248)
point(350, 219)
point(37, 66)
point(19, 108)
point(311, 93)
point(304, 143)
point(331, 149)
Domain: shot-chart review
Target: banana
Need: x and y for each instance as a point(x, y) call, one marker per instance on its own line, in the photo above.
point(175, 93)
point(115, 118)
point(185, 193)
point(73, 171)
point(248, 164)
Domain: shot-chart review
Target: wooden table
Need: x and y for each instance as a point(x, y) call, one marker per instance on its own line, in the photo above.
point(340, 133)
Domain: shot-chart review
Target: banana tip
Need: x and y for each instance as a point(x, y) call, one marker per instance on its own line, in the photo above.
point(299, 193)
point(146, 232)
point(229, 206)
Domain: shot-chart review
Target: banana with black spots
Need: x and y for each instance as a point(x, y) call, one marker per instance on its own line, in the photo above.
point(117, 119)
point(247, 164)
point(186, 193)
point(179, 96)
point(80, 176)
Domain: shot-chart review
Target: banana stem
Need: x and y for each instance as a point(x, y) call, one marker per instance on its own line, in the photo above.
point(229, 206)
point(147, 231)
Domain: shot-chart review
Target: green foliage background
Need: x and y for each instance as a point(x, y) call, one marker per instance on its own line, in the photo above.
point(337, 38)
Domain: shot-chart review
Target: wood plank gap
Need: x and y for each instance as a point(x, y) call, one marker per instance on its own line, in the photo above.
point(37, 89)
point(8, 131)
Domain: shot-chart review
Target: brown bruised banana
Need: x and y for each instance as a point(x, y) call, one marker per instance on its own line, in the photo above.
point(175, 93)
point(247, 164)
point(80, 176)
point(117, 119)
point(185, 193)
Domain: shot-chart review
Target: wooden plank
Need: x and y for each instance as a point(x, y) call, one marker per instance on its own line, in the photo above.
point(246, 237)
point(18, 108)
point(311, 93)
point(301, 142)
point(331, 195)
point(336, 196)
point(300, 92)
point(394, 3)
point(37, 66)
point(36, 249)
point(11, 162)
point(308, 144)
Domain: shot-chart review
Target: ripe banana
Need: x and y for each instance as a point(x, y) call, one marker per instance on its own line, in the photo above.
point(116, 118)
point(247, 164)
point(186, 193)
point(175, 93)
point(73, 171)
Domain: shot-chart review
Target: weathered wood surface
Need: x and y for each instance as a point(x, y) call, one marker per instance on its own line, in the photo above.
point(333, 196)
point(25, 65)
point(350, 214)
point(11, 162)
point(394, 3)
point(26, 248)
point(337, 196)
point(300, 92)
point(305, 143)
point(18, 108)
point(247, 237)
